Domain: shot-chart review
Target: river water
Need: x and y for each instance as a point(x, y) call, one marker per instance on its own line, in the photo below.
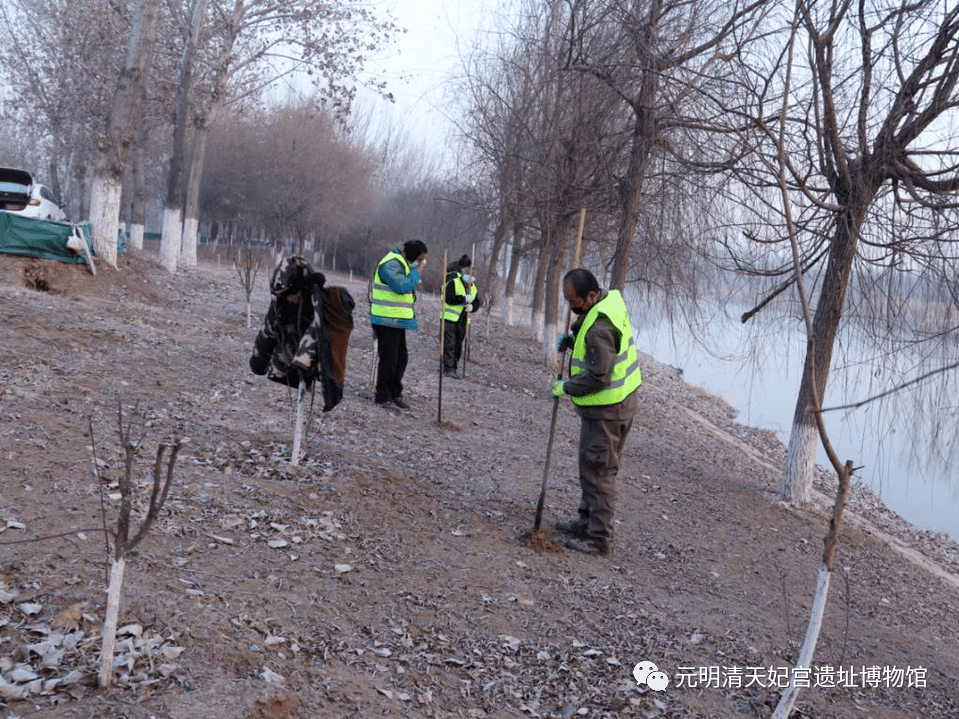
point(756, 368)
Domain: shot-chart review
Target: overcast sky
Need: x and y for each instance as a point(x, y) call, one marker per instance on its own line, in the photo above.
point(419, 65)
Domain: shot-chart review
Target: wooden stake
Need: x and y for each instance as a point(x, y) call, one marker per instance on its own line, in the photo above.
point(559, 376)
point(466, 339)
point(439, 406)
point(376, 349)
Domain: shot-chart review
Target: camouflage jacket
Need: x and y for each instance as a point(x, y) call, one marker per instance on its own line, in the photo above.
point(306, 331)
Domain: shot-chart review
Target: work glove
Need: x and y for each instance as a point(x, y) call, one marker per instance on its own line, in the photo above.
point(469, 306)
point(559, 388)
point(564, 342)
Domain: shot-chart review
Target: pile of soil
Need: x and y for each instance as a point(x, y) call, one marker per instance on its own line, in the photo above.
point(393, 571)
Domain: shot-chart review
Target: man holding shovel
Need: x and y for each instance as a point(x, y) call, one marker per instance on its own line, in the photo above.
point(604, 376)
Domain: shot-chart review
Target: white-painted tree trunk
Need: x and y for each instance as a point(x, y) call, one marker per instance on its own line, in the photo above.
point(189, 241)
point(105, 217)
point(249, 309)
point(135, 237)
point(800, 466)
point(788, 698)
point(537, 328)
point(298, 427)
point(170, 238)
point(110, 622)
point(550, 355)
point(508, 311)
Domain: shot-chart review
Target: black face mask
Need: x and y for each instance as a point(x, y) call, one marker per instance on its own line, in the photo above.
point(578, 310)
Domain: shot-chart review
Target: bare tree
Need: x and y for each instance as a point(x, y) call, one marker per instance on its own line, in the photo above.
point(247, 265)
point(253, 45)
point(653, 54)
point(548, 139)
point(113, 145)
point(872, 171)
point(843, 472)
point(123, 543)
point(170, 234)
point(66, 55)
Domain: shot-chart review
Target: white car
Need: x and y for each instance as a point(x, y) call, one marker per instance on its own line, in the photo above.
point(22, 196)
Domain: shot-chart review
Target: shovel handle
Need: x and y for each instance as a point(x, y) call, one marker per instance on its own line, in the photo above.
point(549, 454)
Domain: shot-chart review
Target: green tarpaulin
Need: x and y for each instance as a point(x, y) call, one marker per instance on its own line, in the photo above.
point(40, 238)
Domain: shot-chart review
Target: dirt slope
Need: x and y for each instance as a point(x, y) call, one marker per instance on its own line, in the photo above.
point(392, 572)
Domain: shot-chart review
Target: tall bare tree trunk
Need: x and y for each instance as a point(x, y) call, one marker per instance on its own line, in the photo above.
point(500, 235)
point(798, 471)
point(170, 239)
point(114, 143)
point(632, 192)
point(537, 307)
point(192, 220)
point(139, 195)
point(509, 291)
point(554, 272)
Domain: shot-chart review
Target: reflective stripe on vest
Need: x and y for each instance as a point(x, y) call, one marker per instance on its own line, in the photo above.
point(384, 301)
point(626, 375)
point(452, 313)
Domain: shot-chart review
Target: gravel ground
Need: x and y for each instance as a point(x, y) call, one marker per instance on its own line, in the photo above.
point(394, 572)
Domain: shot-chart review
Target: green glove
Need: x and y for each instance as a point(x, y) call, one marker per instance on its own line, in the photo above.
point(559, 388)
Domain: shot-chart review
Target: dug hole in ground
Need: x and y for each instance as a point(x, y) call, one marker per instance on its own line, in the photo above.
point(389, 574)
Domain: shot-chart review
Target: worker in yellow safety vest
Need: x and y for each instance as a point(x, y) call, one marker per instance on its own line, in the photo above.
point(604, 376)
point(459, 302)
point(392, 300)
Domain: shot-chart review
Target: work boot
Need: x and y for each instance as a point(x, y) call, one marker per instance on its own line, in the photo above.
point(451, 373)
point(398, 401)
point(590, 545)
point(386, 403)
point(573, 527)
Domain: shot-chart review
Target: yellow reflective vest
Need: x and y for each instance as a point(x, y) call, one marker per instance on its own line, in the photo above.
point(384, 302)
point(452, 313)
point(626, 376)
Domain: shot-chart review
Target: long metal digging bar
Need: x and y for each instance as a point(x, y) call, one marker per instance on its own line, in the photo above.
point(439, 390)
point(549, 454)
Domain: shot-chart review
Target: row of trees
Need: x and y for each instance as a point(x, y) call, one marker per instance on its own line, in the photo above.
point(237, 118)
point(697, 134)
point(699, 130)
point(120, 88)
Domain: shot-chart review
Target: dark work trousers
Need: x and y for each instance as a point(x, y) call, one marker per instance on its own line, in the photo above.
point(453, 334)
point(600, 447)
point(391, 346)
